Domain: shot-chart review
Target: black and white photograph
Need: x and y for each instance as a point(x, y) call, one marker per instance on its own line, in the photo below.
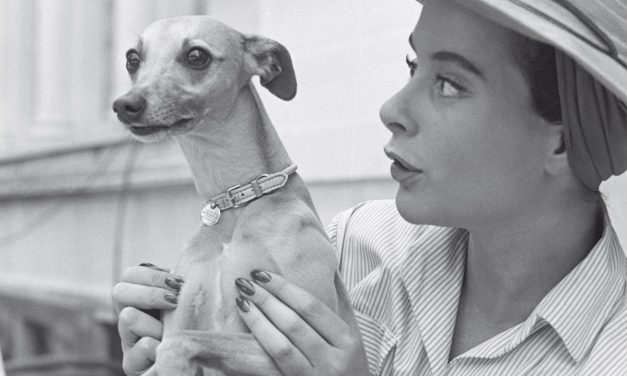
point(313, 188)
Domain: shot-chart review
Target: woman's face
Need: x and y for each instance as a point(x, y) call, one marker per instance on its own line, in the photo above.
point(469, 149)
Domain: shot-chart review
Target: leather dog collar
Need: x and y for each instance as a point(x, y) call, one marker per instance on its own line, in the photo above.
point(243, 194)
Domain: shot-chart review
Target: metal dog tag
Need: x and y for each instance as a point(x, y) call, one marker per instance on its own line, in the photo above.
point(210, 214)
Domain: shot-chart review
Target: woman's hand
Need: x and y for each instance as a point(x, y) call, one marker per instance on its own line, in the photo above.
point(143, 288)
point(146, 287)
point(301, 334)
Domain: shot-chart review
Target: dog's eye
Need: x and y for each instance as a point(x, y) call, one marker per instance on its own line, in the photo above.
point(132, 62)
point(197, 58)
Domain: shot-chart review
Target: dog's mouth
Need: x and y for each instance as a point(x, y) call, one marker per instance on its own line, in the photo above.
point(146, 130)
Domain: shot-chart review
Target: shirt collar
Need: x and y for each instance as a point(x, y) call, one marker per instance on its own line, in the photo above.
point(576, 308)
point(579, 306)
point(433, 275)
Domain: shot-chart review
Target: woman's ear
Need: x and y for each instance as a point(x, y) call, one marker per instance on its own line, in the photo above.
point(557, 156)
point(272, 63)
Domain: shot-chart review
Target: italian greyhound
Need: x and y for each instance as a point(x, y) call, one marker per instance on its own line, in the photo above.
point(192, 80)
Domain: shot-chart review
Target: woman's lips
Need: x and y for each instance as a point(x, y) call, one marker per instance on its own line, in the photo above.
point(402, 174)
point(401, 170)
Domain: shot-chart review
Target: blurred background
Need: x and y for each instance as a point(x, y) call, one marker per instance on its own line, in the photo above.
point(80, 201)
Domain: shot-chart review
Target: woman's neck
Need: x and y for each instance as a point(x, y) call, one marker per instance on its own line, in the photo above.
point(510, 268)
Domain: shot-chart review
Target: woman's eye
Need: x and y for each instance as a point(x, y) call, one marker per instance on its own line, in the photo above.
point(448, 88)
point(412, 64)
point(132, 62)
point(197, 58)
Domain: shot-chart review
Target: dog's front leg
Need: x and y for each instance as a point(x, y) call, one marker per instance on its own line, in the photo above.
point(182, 352)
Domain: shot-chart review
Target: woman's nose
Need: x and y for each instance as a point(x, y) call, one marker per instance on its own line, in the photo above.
point(395, 115)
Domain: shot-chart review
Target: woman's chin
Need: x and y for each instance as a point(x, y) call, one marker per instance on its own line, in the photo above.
point(418, 209)
point(410, 207)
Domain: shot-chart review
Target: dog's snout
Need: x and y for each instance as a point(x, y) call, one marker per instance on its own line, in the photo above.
point(129, 107)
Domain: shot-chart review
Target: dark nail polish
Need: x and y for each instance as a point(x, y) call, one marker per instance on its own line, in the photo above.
point(260, 276)
point(245, 286)
point(171, 298)
point(174, 283)
point(243, 303)
point(154, 267)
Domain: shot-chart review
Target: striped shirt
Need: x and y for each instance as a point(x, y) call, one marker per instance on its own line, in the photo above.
point(405, 281)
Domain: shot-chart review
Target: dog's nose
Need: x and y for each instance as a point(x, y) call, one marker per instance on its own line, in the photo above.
point(129, 107)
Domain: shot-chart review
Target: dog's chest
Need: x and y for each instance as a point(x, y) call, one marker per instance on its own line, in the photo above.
point(207, 299)
point(201, 301)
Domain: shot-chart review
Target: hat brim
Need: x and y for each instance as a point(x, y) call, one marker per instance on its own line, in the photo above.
point(558, 27)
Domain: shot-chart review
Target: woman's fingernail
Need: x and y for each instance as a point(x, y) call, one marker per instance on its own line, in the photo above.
point(170, 298)
point(173, 282)
point(153, 266)
point(245, 286)
point(260, 276)
point(243, 303)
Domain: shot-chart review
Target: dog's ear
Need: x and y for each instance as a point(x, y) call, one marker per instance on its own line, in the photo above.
point(272, 63)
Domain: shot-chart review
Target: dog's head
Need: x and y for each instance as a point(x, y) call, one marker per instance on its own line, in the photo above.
point(187, 69)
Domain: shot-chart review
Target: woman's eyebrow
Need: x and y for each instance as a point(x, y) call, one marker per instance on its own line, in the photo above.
point(453, 58)
point(459, 60)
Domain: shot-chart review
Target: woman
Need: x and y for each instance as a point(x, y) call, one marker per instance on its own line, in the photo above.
point(497, 257)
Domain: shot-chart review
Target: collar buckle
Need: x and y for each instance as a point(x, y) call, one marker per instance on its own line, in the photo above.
point(240, 195)
point(230, 198)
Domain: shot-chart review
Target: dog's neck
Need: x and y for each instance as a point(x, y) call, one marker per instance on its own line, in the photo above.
point(225, 153)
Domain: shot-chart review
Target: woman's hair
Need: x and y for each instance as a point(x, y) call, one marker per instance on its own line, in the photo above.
point(537, 61)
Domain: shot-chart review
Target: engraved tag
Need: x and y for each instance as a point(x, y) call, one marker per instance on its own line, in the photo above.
point(210, 214)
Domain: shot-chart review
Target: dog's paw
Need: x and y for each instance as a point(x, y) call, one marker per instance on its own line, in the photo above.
point(199, 353)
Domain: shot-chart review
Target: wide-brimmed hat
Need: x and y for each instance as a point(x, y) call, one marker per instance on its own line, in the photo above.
point(591, 32)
